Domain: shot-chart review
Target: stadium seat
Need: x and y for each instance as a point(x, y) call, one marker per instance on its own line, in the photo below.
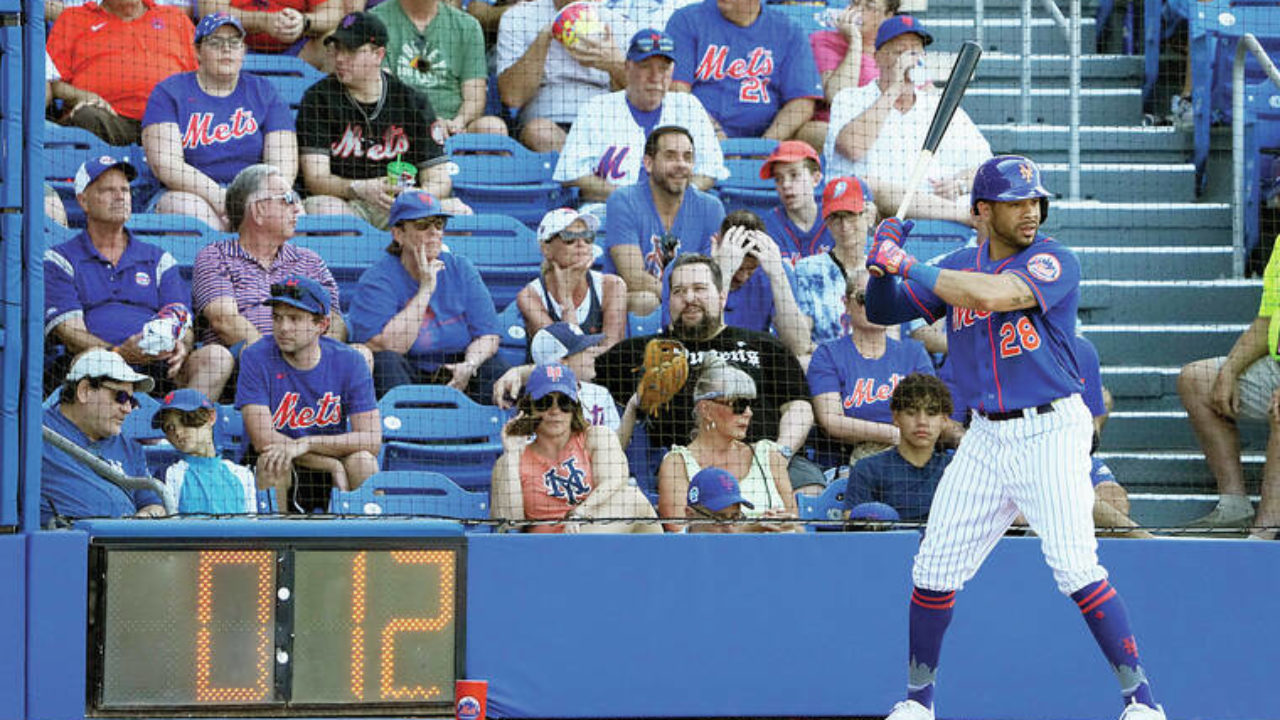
point(229, 434)
point(66, 149)
point(935, 238)
point(288, 74)
point(267, 502)
point(497, 174)
point(438, 428)
point(55, 234)
point(182, 236)
point(514, 344)
point(348, 245)
point(1213, 46)
point(411, 493)
point(827, 506)
point(504, 251)
point(1261, 140)
point(744, 189)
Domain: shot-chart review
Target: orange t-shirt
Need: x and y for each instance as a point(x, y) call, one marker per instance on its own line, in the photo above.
point(122, 61)
point(553, 487)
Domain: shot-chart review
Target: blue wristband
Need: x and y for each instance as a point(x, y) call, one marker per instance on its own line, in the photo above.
point(924, 274)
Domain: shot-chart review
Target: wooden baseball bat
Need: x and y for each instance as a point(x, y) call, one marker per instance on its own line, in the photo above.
point(952, 93)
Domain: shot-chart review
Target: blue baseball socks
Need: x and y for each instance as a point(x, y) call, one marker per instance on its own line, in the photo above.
point(930, 615)
point(1108, 620)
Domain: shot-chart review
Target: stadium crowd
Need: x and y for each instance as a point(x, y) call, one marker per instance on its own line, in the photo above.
point(784, 385)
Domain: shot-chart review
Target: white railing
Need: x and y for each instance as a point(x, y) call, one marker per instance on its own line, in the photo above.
point(1247, 44)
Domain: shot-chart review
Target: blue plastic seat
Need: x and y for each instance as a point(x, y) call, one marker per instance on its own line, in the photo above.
point(514, 344)
point(438, 428)
point(1215, 29)
point(1262, 133)
point(411, 493)
point(497, 174)
point(182, 236)
point(744, 189)
point(288, 74)
point(347, 244)
point(828, 506)
point(504, 251)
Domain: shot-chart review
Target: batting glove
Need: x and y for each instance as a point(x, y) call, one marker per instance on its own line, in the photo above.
point(887, 256)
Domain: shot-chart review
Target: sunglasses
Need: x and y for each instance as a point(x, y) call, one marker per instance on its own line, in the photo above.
point(736, 405)
point(425, 224)
point(122, 397)
point(703, 512)
point(654, 43)
point(288, 197)
point(586, 237)
point(560, 400)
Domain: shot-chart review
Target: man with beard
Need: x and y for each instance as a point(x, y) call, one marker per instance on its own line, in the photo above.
point(648, 224)
point(781, 410)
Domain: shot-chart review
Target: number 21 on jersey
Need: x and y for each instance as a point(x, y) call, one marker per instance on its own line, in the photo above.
point(1018, 336)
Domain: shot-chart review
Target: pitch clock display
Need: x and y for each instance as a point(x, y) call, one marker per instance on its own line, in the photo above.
point(276, 629)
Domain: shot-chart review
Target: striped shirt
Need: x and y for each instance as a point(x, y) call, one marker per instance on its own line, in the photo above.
point(226, 269)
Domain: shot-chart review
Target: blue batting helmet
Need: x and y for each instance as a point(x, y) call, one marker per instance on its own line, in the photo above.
point(1005, 178)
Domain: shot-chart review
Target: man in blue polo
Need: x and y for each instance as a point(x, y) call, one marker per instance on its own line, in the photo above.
point(103, 287)
point(96, 397)
point(424, 312)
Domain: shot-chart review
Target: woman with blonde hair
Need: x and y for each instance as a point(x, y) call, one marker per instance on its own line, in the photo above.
point(568, 290)
point(722, 399)
point(555, 466)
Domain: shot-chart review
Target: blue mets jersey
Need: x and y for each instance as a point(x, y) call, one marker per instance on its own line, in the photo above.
point(865, 385)
point(1010, 360)
point(742, 75)
point(793, 242)
point(319, 401)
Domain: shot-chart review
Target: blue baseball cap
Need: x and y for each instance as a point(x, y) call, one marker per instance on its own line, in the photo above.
point(715, 489)
point(92, 169)
point(186, 400)
point(559, 340)
point(552, 377)
point(873, 511)
point(901, 25)
point(650, 42)
point(415, 204)
point(211, 22)
point(302, 293)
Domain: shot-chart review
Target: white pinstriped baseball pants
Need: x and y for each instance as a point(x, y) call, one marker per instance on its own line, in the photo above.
point(1038, 465)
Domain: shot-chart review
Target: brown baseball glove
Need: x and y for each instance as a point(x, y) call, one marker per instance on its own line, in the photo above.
point(666, 368)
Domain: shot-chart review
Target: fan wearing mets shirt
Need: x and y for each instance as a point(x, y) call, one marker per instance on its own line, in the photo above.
point(748, 65)
point(308, 401)
point(1010, 305)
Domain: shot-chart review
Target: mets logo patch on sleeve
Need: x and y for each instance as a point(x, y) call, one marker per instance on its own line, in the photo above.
point(1044, 267)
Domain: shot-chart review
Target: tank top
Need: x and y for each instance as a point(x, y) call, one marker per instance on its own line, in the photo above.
point(757, 487)
point(551, 487)
point(590, 315)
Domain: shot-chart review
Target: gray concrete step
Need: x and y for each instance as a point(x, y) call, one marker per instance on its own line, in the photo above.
point(1004, 69)
point(1126, 263)
point(1173, 345)
point(1132, 182)
point(1167, 431)
point(1081, 223)
point(1004, 34)
point(1051, 106)
point(1169, 301)
point(1172, 471)
point(1125, 144)
point(1129, 383)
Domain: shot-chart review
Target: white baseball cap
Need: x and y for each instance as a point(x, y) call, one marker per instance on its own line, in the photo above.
point(554, 222)
point(100, 363)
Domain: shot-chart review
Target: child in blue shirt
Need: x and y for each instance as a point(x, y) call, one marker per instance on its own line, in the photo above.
point(201, 482)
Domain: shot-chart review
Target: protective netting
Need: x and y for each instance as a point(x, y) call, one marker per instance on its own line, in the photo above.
point(355, 235)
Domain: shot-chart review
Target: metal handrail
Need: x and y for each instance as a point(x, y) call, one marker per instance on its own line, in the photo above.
point(1250, 44)
point(1071, 27)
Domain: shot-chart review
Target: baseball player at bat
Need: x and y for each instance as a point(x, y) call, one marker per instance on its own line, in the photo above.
point(1010, 305)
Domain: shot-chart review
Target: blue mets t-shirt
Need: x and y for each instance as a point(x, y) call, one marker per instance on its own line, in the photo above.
point(220, 135)
point(865, 384)
point(632, 220)
point(319, 401)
